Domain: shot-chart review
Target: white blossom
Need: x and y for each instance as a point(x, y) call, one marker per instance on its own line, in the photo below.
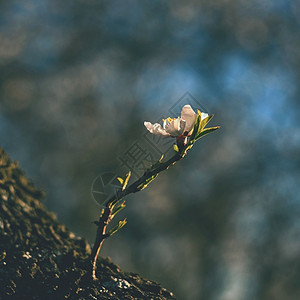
point(176, 127)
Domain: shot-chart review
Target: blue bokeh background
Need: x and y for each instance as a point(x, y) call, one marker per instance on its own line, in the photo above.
point(78, 79)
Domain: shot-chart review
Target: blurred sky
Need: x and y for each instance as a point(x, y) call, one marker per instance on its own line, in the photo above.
point(77, 80)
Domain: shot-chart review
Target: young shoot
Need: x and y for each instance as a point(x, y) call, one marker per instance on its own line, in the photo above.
point(186, 130)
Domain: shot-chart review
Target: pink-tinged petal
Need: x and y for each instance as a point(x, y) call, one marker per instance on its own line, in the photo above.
point(190, 117)
point(175, 127)
point(149, 126)
point(181, 125)
point(156, 129)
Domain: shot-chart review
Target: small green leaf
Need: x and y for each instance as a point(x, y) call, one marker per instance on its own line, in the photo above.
point(187, 148)
point(121, 180)
point(175, 147)
point(147, 181)
point(195, 129)
point(118, 209)
point(205, 121)
point(206, 131)
point(199, 113)
point(117, 227)
point(126, 180)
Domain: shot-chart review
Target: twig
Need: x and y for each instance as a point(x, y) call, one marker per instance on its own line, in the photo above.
point(106, 213)
point(109, 210)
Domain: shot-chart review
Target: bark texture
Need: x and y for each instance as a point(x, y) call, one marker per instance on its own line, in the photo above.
point(41, 259)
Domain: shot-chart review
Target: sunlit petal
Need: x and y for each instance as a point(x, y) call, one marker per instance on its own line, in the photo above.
point(175, 127)
point(156, 129)
point(188, 114)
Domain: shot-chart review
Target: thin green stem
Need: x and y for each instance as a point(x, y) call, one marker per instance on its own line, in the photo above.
point(106, 214)
point(138, 184)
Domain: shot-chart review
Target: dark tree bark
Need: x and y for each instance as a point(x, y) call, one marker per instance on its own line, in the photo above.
point(41, 259)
